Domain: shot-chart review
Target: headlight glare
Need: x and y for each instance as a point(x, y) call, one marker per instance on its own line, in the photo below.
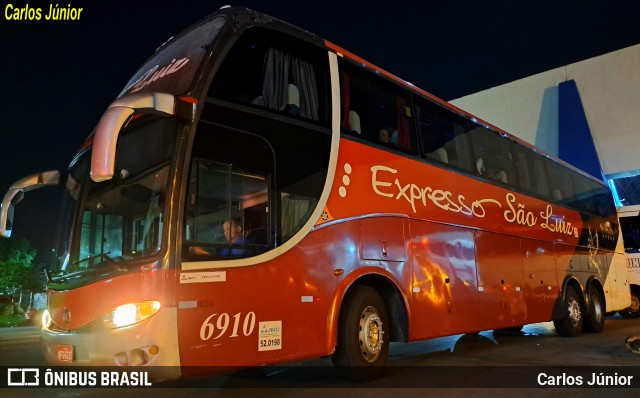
point(46, 319)
point(130, 314)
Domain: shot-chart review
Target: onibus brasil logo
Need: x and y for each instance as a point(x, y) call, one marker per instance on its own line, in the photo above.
point(31, 377)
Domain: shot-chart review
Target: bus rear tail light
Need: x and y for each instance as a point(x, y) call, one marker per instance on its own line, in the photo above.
point(130, 314)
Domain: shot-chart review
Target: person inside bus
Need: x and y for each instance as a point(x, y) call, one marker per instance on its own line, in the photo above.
point(235, 234)
point(385, 135)
point(489, 172)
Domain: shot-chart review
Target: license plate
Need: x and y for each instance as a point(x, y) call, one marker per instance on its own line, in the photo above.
point(65, 353)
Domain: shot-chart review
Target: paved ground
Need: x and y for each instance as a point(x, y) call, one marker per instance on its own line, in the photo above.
point(417, 369)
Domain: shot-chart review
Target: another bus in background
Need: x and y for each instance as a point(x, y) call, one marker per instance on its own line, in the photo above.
point(630, 226)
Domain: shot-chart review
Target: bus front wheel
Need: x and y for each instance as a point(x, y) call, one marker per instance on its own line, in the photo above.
point(595, 320)
point(571, 323)
point(363, 336)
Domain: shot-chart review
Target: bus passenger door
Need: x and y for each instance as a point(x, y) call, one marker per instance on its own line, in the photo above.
point(501, 301)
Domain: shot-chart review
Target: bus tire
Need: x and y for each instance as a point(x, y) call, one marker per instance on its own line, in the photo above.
point(363, 336)
point(634, 310)
point(595, 319)
point(571, 323)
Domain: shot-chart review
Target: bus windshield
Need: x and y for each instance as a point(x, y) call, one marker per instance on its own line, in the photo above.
point(112, 222)
point(631, 233)
point(173, 67)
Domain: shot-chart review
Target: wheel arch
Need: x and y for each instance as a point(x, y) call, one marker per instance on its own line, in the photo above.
point(396, 304)
point(569, 280)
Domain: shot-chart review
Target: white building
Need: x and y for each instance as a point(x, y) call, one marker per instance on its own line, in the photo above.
point(544, 110)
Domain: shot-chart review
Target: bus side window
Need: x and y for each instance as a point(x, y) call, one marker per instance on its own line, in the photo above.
point(443, 135)
point(604, 202)
point(522, 168)
point(560, 183)
point(631, 233)
point(530, 171)
point(494, 156)
point(374, 109)
point(229, 182)
point(586, 190)
point(268, 70)
point(541, 182)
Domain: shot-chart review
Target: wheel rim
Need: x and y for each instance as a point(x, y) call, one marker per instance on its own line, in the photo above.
point(597, 308)
point(635, 304)
point(575, 313)
point(371, 334)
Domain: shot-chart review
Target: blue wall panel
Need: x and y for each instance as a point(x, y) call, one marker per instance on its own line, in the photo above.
point(575, 143)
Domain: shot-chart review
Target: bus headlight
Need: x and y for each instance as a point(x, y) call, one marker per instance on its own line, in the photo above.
point(46, 319)
point(132, 313)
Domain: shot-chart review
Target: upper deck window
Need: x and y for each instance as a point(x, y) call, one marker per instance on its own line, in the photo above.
point(560, 182)
point(172, 69)
point(375, 109)
point(277, 72)
point(443, 135)
point(532, 176)
point(493, 156)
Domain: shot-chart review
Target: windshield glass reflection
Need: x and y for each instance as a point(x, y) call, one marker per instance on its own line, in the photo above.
point(112, 222)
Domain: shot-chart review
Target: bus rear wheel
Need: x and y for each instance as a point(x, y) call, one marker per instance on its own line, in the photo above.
point(571, 323)
point(363, 345)
point(634, 309)
point(595, 320)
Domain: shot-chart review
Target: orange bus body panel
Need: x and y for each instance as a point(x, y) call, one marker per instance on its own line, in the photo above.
point(372, 181)
point(83, 307)
point(455, 249)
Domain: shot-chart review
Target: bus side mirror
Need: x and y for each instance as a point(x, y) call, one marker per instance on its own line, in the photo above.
point(105, 139)
point(16, 193)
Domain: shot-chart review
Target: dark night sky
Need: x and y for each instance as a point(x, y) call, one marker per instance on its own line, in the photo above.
point(58, 77)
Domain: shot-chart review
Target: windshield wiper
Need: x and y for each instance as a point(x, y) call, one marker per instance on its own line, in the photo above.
point(99, 255)
point(107, 259)
point(64, 276)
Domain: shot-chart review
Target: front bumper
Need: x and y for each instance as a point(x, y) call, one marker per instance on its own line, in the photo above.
point(151, 344)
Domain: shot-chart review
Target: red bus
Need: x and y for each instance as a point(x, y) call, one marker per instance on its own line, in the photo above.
point(257, 195)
